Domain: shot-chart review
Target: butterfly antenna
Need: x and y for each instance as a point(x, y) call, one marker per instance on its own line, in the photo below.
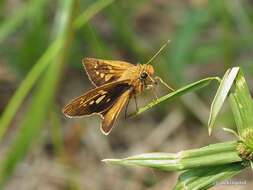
point(158, 52)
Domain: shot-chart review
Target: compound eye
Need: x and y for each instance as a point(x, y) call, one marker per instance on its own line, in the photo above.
point(144, 75)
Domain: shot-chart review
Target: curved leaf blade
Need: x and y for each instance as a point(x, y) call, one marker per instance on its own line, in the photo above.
point(212, 155)
point(181, 91)
point(221, 95)
point(207, 177)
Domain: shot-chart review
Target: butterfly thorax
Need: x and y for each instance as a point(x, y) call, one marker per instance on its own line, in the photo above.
point(139, 76)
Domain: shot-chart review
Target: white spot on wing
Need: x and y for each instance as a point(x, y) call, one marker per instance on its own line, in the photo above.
point(102, 75)
point(91, 102)
point(100, 99)
point(108, 77)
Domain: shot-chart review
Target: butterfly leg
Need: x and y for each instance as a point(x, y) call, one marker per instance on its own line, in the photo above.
point(136, 105)
point(152, 87)
point(153, 90)
point(164, 83)
point(126, 108)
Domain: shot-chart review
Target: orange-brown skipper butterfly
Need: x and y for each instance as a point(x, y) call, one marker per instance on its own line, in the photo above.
point(115, 83)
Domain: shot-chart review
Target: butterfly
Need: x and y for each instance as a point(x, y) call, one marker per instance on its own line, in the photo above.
point(116, 82)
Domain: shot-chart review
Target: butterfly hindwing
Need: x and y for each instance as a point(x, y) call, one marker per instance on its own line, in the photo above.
point(104, 71)
point(97, 100)
point(111, 114)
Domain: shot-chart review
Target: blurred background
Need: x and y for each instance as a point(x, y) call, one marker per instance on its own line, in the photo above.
point(42, 44)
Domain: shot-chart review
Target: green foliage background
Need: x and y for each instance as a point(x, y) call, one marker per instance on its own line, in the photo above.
point(42, 44)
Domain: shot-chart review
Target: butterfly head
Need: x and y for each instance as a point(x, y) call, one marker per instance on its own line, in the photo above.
point(146, 72)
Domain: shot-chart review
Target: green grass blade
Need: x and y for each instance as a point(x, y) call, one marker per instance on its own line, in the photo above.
point(35, 32)
point(206, 177)
point(38, 69)
point(56, 131)
point(242, 107)
point(212, 155)
point(40, 104)
point(221, 95)
point(90, 12)
point(11, 23)
point(96, 42)
point(123, 31)
point(242, 104)
point(182, 42)
point(188, 88)
point(27, 85)
point(236, 112)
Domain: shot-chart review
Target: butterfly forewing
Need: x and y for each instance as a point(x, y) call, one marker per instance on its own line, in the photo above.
point(104, 71)
point(111, 114)
point(97, 100)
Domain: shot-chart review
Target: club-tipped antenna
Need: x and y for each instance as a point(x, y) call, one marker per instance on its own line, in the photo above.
point(158, 52)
